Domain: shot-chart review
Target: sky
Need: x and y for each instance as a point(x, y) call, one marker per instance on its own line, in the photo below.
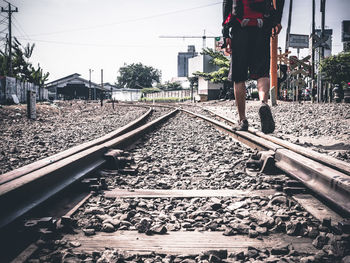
point(73, 36)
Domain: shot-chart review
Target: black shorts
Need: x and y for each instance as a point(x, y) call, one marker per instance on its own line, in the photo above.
point(250, 53)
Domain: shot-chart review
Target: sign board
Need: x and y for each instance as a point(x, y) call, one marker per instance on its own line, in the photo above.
point(219, 41)
point(298, 41)
point(327, 33)
point(345, 31)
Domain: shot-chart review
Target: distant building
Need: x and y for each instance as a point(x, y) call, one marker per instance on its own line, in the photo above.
point(207, 90)
point(183, 81)
point(182, 61)
point(122, 94)
point(74, 87)
point(126, 94)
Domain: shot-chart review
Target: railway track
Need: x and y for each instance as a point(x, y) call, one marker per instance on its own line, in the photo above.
point(183, 193)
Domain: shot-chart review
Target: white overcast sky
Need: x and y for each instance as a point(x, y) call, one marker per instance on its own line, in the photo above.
point(73, 36)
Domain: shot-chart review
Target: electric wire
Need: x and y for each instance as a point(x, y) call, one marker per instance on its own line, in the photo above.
point(94, 45)
point(127, 21)
point(20, 28)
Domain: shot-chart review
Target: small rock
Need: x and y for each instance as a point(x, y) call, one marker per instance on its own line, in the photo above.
point(74, 244)
point(159, 229)
point(280, 250)
point(89, 231)
point(144, 225)
point(313, 232)
point(94, 211)
point(278, 199)
point(261, 230)
point(309, 259)
point(293, 228)
point(252, 252)
point(320, 241)
point(214, 259)
point(253, 233)
point(346, 259)
point(222, 253)
point(107, 227)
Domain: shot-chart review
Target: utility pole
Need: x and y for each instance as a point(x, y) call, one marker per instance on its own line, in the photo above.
point(9, 11)
point(313, 51)
point(273, 64)
point(289, 24)
point(90, 71)
point(321, 51)
point(101, 96)
point(312, 42)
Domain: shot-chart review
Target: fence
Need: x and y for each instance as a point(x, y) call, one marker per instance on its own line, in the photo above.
point(180, 94)
point(11, 87)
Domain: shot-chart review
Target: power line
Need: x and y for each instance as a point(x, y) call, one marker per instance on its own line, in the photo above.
point(10, 4)
point(20, 28)
point(92, 45)
point(129, 20)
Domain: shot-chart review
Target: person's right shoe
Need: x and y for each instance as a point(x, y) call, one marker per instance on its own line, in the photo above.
point(266, 119)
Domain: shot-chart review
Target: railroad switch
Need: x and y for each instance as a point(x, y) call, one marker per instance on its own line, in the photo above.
point(263, 161)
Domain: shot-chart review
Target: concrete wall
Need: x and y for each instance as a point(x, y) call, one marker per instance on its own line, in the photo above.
point(126, 95)
point(11, 87)
point(181, 94)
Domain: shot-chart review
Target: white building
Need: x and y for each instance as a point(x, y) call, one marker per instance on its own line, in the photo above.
point(207, 90)
point(126, 94)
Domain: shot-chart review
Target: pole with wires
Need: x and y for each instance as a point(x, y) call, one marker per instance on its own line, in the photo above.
point(289, 24)
point(9, 11)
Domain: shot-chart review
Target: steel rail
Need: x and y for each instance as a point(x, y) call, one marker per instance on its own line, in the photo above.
point(19, 172)
point(332, 185)
point(330, 161)
point(19, 196)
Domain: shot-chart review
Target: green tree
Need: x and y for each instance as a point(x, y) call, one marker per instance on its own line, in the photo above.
point(21, 67)
point(336, 69)
point(218, 59)
point(137, 76)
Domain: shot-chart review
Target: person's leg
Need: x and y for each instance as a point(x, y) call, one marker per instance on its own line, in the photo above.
point(240, 93)
point(267, 122)
point(264, 89)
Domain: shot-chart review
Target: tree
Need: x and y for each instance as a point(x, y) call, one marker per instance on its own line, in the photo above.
point(336, 69)
point(137, 76)
point(22, 68)
point(218, 59)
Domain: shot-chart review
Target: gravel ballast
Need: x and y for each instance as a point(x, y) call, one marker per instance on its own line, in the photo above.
point(59, 126)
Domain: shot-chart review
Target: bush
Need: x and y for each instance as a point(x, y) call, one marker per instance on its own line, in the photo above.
point(150, 90)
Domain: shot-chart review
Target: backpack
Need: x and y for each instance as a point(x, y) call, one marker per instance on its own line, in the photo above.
point(249, 12)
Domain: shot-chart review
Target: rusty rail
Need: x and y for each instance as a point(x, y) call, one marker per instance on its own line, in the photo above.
point(20, 195)
point(14, 174)
point(329, 181)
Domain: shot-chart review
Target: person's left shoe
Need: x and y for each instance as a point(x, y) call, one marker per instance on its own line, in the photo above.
point(267, 122)
point(242, 126)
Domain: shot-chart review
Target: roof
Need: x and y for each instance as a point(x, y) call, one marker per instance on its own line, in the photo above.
point(71, 79)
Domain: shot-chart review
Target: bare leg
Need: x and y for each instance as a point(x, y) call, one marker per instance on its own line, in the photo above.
point(240, 91)
point(264, 88)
